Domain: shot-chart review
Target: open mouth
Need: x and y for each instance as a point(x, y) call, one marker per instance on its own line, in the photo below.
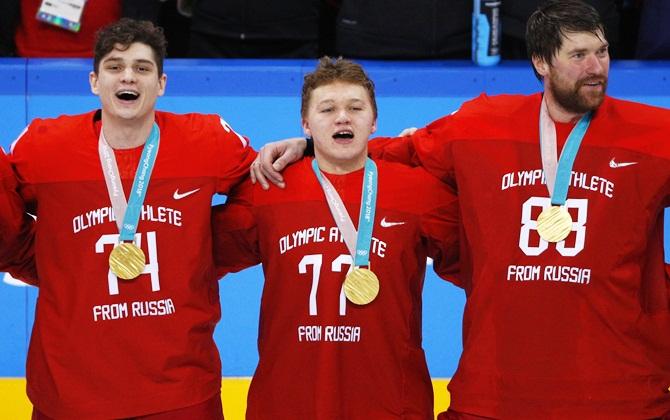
point(343, 135)
point(127, 95)
point(593, 83)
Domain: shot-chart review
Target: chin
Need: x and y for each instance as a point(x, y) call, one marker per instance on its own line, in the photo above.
point(592, 103)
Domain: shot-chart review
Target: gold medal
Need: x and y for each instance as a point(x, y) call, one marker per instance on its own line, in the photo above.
point(126, 261)
point(361, 286)
point(554, 224)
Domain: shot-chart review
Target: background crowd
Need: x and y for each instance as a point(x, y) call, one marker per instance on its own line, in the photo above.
point(374, 29)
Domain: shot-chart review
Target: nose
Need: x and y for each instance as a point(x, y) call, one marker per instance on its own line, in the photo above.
point(596, 65)
point(128, 75)
point(342, 116)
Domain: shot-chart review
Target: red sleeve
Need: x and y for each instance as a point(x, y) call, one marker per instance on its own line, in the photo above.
point(235, 156)
point(20, 158)
point(440, 229)
point(235, 234)
point(430, 147)
point(16, 228)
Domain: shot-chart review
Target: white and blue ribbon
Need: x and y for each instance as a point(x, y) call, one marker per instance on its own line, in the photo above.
point(128, 213)
point(359, 248)
point(558, 174)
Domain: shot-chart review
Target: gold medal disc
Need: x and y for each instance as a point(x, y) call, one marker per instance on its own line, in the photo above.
point(554, 224)
point(361, 286)
point(126, 261)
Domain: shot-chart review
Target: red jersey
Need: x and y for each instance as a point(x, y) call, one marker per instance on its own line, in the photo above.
point(108, 348)
point(571, 330)
point(322, 357)
point(38, 39)
point(11, 206)
point(16, 227)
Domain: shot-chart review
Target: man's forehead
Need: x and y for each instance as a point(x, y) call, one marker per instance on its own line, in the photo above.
point(573, 39)
point(136, 51)
point(341, 96)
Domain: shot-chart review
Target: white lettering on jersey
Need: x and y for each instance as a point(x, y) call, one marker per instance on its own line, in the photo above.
point(153, 308)
point(555, 273)
point(577, 180)
point(309, 333)
point(102, 215)
point(522, 179)
point(339, 333)
point(110, 312)
point(114, 311)
point(11, 148)
point(229, 129)
point(317, 234)
point(150, 268)
point(529, 225)
point(300, 238)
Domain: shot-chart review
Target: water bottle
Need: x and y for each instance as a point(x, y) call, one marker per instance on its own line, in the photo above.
point(486, 32)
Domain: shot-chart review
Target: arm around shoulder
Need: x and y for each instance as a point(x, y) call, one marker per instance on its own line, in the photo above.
point(440, 227)
point(234, 232)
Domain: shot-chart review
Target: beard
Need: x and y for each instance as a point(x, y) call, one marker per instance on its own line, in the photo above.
point(573, 99)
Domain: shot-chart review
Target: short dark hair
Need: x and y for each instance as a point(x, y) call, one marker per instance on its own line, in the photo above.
point(554, 19)
point(330, 70)
point(125, 32)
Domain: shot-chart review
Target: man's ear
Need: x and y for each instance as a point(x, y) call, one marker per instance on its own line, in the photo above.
point(305, 128)
point(93, 81)
point(541, 66)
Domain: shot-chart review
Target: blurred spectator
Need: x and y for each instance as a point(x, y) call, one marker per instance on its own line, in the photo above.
point(515, 14)
point(39, 39)
point(255, 28)
point(654, 36)
point(394, 29)
point(35, 38)
point(9, 17)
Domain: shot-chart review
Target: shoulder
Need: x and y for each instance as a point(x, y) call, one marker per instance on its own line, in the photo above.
point(42, 132)
point(486, 116)
point(410, 188)
point(623, 111)
point(634, 126)
point(497, 106)
point(195, 127)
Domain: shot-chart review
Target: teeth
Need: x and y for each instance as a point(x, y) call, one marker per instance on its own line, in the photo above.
point(127, 95)
point(343, 135)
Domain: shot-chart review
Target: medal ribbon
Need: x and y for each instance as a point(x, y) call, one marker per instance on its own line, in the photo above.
point(127, 213)
point(558, 175)
point(360, 247)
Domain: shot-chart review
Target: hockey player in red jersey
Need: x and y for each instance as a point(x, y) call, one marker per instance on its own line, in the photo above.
point(127, 303)
point(340, 322)
point(561, 199)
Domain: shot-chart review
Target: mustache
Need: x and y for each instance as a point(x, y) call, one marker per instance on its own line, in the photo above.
point(591, 80)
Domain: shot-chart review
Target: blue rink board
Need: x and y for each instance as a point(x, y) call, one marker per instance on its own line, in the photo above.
point(261, 99)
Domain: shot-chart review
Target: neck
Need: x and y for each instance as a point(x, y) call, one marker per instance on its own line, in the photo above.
point(340, 167)
point(124, 134)
point(557, 112)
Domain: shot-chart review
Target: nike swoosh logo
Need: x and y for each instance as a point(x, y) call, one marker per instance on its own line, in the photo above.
point(179, 196)
point(386, 224)
point(615, 165)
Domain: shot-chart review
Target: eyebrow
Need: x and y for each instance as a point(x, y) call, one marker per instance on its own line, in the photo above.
point(332, 101)
point(119, 59)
